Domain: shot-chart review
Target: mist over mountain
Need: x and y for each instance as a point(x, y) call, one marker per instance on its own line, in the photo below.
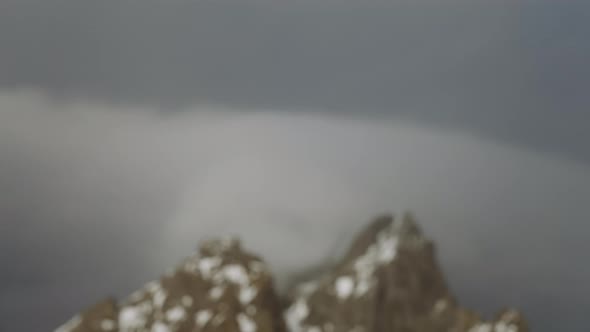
point(98, 198)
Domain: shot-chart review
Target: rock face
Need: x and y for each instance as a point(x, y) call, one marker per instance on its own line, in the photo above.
point(222, 288)
point(389, 281)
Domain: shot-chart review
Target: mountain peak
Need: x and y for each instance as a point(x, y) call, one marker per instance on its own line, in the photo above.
point(388, 281)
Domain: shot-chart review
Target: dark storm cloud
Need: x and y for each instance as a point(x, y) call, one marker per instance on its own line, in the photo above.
point(97, 199)
point(514, 70)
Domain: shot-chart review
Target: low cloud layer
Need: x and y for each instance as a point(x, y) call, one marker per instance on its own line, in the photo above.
point(99, 198)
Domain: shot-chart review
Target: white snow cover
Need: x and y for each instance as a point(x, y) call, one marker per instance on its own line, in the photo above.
point(207, 264)
point(379, 253)
point(107, 325)
point(216, 292)
point(175, 314)
point(246, 323)
point(344, 287)
point(212, 269)
point(247, 294)
point(160, 327)
point(202, 317)
point(132, 318)
point(295, 315)
point(236, 273)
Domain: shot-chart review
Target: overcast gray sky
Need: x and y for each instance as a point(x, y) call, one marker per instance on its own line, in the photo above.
point(513, 70)
point(473, 114)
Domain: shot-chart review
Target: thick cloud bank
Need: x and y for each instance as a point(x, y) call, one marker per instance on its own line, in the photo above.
point(98, 198)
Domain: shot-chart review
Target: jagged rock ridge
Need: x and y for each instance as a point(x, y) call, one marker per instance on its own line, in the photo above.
point(388, 281)
point(221, 288)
